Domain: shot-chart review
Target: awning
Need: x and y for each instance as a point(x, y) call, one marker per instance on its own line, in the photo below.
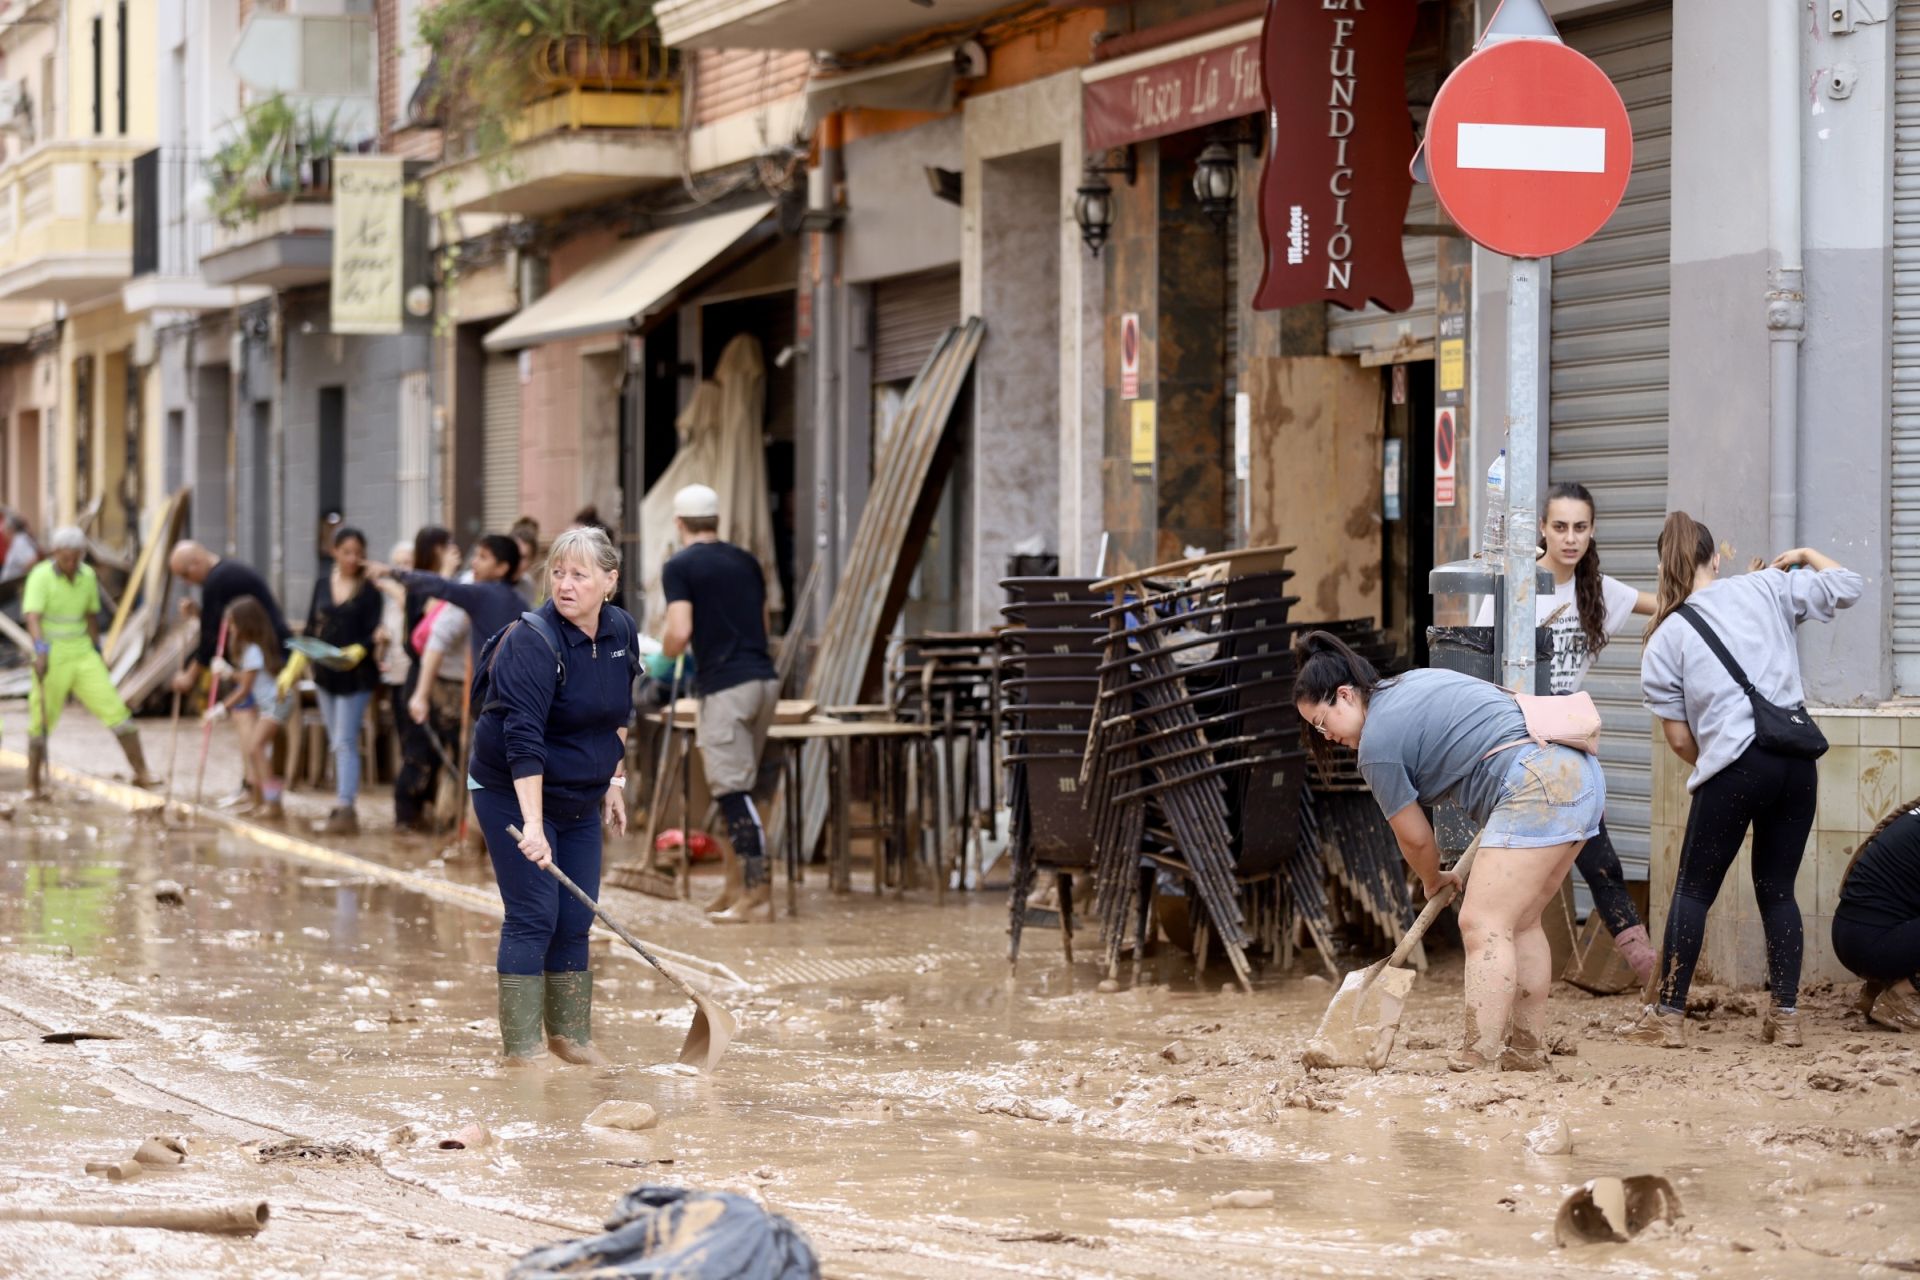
point(630, 282)
point(1184, 85)
point(923, 83)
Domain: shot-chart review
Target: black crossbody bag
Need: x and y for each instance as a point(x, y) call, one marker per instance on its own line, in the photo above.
point(1785, 731)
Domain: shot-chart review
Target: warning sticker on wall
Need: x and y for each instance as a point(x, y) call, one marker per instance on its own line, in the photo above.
point(1443, 457)
point(1130, 356)
point(1143, 439)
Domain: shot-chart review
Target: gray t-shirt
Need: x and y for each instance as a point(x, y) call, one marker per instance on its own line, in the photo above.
point(1428, 734)
point(1754, 615)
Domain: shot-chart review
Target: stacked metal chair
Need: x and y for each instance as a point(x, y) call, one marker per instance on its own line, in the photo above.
point(1048, 685)
point(949, 681)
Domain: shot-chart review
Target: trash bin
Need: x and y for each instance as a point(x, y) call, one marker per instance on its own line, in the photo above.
point(1472, 651)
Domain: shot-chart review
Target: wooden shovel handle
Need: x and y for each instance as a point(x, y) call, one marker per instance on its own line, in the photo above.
point(1434, 907)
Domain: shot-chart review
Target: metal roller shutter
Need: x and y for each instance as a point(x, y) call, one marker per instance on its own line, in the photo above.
point(1373, 332)
point(500, 461)
point(910, 315)
point(1906, 349)
point(1608, 415)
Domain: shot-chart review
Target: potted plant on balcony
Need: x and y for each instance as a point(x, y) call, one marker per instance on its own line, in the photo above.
point(252, 169)
point(493, 57)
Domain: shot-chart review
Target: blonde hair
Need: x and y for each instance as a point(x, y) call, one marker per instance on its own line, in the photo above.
point(586, 545)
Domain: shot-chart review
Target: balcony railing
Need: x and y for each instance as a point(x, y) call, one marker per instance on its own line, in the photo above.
point(66, 218)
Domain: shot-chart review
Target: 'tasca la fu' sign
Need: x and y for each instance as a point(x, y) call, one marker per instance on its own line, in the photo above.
point(1334, 191)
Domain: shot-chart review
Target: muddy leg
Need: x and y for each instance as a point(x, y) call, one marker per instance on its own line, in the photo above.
point(1509, 966)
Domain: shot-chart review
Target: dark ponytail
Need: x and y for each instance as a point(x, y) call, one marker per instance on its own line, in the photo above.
point(1685, 545)
point(1326, 663)
point(1589, 598)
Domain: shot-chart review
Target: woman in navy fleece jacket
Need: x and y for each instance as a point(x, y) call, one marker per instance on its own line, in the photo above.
point(547, 754)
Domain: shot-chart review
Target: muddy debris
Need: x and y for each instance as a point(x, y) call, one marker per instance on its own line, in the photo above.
point(169, 893)
point(614, 1114)
point(468, 1137)
point(161, 1152)
point(1177, 1053)
point(1562, 1043)
point(1050, 1110)
point(74, 1037)
point(404, 1136)
point(1551, 1137)
point(871, 1109)
point(313, 1151)
point(116, 1170)
point(1243, 1200)
point(1615, 1210)
point(1106, 986)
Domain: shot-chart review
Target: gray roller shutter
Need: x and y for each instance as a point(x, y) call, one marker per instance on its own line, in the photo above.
point(1608, 411)
point(1906, 349)
point(500, 461)
point(1384, 335)
point(910, 314)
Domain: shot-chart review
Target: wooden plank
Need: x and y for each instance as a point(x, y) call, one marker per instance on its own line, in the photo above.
point(1319, 422)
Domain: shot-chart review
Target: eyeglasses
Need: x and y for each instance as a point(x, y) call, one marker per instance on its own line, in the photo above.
point(1320, 725)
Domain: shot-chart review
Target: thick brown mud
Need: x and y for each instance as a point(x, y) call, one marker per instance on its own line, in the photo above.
point(893, 1090)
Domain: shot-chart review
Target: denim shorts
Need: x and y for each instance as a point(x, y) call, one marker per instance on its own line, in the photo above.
point(1551, 795)
point(264, 697)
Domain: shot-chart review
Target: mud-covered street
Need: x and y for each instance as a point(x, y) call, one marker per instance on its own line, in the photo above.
point(912, 1109)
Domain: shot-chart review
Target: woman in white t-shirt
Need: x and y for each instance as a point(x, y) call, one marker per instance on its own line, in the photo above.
point(1585, 610)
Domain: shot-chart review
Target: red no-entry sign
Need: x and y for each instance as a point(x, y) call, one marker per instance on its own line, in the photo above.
point(1529, 147)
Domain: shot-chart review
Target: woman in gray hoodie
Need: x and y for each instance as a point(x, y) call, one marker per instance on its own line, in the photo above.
point(1737, 783)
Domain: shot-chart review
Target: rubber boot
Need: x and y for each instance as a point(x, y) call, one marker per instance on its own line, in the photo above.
point(37, 767)
point(521, 998)
point(752, 902)
point(1637, 951)
point(137, 759)
point(569, 1011)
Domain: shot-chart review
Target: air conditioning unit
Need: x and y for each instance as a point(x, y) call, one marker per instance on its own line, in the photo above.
point(16, 108)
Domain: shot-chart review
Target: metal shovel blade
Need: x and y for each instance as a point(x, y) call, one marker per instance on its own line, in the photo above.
point(1360, 1025)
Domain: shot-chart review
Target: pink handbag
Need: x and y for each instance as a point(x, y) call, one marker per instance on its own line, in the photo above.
point(1560, 719)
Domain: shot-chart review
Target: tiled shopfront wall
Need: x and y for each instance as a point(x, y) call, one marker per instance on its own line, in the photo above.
point(1873, 764)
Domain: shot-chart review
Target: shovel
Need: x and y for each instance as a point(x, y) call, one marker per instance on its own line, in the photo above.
point(713, 1028)
point(1360, 1024)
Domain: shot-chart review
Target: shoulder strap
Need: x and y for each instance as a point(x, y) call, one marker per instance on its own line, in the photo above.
point(1734, 669)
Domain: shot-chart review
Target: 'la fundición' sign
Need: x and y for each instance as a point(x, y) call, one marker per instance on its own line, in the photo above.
point(1333, 195)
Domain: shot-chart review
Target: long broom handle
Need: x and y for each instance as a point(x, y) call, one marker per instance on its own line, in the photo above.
point(566, 882)
point(206, 731)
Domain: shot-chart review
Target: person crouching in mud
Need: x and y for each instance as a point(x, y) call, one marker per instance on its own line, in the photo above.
point(548, 743)
point(1876, 925)
point(1431, 735)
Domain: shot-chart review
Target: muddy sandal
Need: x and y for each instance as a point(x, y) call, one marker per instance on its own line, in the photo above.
point(1463, 1060)
point(1524, 1052)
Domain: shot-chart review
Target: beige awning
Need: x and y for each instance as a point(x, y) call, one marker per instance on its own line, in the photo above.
point(923, 83)
point(636, 278)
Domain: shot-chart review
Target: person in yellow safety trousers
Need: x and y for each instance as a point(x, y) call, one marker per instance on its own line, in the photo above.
point(62, 606)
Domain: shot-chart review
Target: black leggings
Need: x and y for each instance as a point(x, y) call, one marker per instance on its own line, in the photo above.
point(1884, 952)
point(1600, 867)
point(1775, 795)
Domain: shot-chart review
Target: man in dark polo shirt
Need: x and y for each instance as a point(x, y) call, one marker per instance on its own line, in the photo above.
point(717, 602)
point(221, 582)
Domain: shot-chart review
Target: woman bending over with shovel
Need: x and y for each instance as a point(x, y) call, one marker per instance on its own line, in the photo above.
point(553, 694)
point(1431, 735)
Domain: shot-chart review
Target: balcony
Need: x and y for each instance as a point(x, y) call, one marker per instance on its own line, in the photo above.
point(828, 26)
point(66, 221)
point(598, 122)
point(169, 239)
point(287, 243)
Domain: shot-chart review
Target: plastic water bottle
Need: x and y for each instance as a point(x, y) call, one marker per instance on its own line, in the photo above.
point(1493, 537)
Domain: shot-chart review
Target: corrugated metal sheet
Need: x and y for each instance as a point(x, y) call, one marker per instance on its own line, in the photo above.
point(1906, 348)
point(1373, 331)
point(1608, 417)
point(500, 451)
point(727, 82)
point(910, 316)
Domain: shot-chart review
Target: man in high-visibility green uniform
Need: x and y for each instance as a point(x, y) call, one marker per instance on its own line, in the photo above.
point(62, 605)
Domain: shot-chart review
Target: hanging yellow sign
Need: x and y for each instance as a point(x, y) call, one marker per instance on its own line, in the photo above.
point(1453, 364)
point(369, 244)
point(1143, 438)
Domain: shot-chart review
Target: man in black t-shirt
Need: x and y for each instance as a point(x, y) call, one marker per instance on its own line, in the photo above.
point(717, 603)
point(221, 582)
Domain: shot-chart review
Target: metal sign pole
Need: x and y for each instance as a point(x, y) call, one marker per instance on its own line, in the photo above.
point(1523, 434)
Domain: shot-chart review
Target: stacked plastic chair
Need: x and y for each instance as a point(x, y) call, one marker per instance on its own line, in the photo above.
point(1048, 685)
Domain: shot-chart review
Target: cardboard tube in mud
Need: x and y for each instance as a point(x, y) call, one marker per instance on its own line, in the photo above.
point(242, 1218)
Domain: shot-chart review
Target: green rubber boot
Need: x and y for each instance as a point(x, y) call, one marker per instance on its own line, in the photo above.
point(570, 1018)
point(521, 998)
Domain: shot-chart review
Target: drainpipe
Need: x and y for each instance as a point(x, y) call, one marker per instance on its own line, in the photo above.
point(823, 361)
point(1786, 293)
